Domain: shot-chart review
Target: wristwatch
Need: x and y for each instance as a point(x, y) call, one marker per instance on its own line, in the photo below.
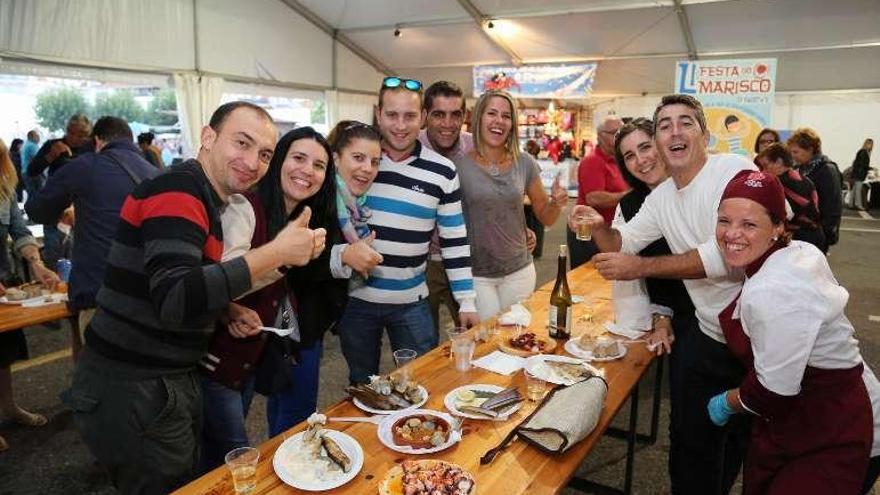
point(660, 316)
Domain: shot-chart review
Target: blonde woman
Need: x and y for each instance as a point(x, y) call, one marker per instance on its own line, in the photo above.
point(12, 344)
point(494, 177)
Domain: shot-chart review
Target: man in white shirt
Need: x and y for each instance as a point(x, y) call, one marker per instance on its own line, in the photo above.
point(704, 458)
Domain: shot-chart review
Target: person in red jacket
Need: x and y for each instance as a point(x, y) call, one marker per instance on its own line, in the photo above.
point(600, 185)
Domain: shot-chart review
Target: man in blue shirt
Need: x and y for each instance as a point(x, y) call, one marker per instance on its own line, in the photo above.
point(28, 152)
point(97, 184)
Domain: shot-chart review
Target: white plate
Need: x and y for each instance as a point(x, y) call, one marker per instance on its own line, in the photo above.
point(387, 438)
point(535, 366)
point(575, 350)
point(363, 407)
point(348, 445)
point(56, 297)
point(452, 398)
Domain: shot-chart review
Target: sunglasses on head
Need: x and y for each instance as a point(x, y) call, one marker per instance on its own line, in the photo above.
point(396, 82)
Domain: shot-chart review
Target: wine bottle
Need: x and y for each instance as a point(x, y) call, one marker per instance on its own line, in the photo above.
point(560, 299)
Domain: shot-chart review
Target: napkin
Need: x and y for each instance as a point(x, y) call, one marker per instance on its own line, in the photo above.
point(500, 362)
point(518, 315)
point(623, 331)
point(55, 298)
point(632, 307)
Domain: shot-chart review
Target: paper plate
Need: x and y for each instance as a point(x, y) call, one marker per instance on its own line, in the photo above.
point(575, 350)
point(387, 437)
point(348, 445)
point(392, 483)
point(535, 366)
point(451, 399)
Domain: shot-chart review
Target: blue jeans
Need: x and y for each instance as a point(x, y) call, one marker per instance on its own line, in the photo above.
point(224, 413)
point(295, 403)
point(410, 326)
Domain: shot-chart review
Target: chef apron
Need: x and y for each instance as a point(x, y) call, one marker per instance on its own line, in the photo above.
point(820, 444)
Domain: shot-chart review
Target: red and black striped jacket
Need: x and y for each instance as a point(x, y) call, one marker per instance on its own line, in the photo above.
point(165, 285)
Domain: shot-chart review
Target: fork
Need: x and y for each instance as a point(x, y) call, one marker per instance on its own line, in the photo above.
point(281, 332)
point(358, 419)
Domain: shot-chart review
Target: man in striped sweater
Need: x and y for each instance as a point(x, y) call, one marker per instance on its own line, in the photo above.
point(136, 396)
point(415, 191)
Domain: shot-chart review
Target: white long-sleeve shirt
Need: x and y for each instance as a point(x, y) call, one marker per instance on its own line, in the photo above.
point(686, 217)
point(792, 310)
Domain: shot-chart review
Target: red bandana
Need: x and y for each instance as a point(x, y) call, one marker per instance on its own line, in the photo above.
point(762, 188)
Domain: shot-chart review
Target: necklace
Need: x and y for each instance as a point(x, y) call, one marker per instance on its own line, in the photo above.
point(492, 167)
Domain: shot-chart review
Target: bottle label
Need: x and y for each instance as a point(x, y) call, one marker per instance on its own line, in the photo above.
point(560, 324)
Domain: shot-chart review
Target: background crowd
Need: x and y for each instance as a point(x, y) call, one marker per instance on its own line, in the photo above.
point(175, 272)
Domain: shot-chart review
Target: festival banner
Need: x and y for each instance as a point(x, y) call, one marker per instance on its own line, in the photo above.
point(737, 96)
point(537, 81)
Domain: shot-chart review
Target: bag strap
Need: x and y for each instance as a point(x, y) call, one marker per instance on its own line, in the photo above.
point(134, 177)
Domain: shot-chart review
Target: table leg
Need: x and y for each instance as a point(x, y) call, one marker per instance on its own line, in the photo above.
point(651, 437)
point(585, 485)
point(631, 439)
point(658, 395)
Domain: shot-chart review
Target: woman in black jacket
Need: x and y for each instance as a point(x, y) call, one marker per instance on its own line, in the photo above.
point(806, 150)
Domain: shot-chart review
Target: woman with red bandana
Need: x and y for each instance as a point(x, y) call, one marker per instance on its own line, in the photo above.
point(806, 378)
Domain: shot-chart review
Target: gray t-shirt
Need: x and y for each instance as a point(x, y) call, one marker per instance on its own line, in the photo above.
point(493, 211)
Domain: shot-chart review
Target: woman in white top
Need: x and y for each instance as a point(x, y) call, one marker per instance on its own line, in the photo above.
point(805, 378)
point(494, 177)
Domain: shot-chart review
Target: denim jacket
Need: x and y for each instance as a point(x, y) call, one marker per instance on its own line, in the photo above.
point(12, 224)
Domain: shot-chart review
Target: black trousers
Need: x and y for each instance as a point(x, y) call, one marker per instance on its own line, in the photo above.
point(144, 432)
point(704, 459)
point(579, 252)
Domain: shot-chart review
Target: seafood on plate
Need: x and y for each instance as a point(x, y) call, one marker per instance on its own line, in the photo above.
point(420, 431)
point(388, 393)
point(427, 477)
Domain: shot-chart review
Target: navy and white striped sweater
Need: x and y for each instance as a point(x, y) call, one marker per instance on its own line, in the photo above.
point(407, 199)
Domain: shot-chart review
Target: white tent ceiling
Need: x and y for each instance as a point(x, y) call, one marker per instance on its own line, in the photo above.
point(820, 44)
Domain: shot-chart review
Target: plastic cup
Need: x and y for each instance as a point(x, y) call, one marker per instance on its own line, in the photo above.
point(242, 463)
point(463, 346)
point(402, 357)
point(584, 231)
point(535, 387)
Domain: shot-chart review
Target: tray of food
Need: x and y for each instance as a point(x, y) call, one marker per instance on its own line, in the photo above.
point(527, 344)
point(318, 459)
point(561, 370)
point(418, 431)
point(427, 477)
point(388, 394)
point(483, 401)
point(598, 349)
point(28, 294)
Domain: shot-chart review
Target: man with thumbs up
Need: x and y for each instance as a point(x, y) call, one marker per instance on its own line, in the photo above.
point(136, 395)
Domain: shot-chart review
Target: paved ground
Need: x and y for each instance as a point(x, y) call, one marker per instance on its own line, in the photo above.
point(53, 460)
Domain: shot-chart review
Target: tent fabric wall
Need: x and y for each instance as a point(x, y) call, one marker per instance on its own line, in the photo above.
point(133, 34)
point(197, 98)
point(352, 72)
point(262, 39)
point(842, 119)
point(258, 40)
point(349, 106)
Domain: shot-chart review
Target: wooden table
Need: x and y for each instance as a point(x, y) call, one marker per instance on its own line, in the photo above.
point(13, 316)
point(519, 469)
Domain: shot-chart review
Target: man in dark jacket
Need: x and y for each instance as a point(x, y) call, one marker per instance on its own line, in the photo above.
point(54, 154)
point(96, 184)
point(860, 168)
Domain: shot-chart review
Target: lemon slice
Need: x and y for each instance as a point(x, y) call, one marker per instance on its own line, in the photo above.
point(466, 395)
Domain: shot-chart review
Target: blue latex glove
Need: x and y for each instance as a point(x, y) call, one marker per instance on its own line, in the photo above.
point(719, 410)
